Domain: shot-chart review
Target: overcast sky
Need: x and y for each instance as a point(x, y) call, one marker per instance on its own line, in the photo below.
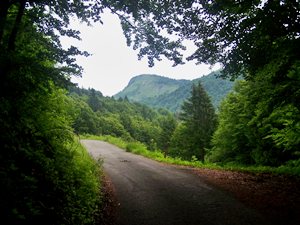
point(113, 63)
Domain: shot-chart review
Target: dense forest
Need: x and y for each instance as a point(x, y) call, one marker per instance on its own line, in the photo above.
point(98, 115)
point(162, 92)
point(184, 135)
point(47, 177)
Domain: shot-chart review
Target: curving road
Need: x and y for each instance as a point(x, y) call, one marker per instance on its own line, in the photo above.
point(152, 193)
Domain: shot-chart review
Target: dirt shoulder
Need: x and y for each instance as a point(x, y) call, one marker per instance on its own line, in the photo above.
point(109, 202)
point(276, 196)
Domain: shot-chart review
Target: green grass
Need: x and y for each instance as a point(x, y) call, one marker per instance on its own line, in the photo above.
point(292, 168)
point(81, 185)
point(107, 138)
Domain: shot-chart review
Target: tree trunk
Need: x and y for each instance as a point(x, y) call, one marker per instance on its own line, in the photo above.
point(202, 154)
point(14, 32)
point(3, 15)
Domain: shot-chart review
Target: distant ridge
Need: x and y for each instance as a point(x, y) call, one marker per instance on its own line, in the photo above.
point(163, 92)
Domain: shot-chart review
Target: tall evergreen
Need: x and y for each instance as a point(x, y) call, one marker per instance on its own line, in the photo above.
point(199, 118)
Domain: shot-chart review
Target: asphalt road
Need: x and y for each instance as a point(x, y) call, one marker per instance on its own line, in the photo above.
point(152, 193)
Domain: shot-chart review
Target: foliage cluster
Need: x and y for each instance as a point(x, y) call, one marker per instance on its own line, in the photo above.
point(260, 124)
point(46, 176)
point(259, 121)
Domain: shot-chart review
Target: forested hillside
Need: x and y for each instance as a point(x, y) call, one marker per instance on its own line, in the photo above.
point(148, 86)
point(98, 115)
point(158, 91)
point(158, 129)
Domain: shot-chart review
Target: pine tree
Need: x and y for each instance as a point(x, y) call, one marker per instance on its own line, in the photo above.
point(199, 118)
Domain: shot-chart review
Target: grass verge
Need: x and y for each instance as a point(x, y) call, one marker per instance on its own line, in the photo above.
point(292, 168)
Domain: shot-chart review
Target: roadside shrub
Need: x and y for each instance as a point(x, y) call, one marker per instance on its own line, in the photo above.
point(46, 176)
point(136, 147)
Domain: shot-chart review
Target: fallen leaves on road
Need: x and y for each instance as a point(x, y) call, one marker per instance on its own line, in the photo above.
point(109, 202)
point(275, 196)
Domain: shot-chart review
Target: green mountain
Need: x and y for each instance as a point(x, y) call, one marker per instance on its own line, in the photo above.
point(162, 92)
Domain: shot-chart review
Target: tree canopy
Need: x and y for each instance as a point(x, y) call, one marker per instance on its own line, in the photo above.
point(242, 35)
point(236, 34)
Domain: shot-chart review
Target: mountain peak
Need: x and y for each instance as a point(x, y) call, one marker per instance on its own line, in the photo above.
point(146, 86)
point(163, 92)
point(152, 78)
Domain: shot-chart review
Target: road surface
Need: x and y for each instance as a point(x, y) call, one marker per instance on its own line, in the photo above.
point(152, 193)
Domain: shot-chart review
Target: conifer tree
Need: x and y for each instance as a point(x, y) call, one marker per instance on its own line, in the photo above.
point(199, 118)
